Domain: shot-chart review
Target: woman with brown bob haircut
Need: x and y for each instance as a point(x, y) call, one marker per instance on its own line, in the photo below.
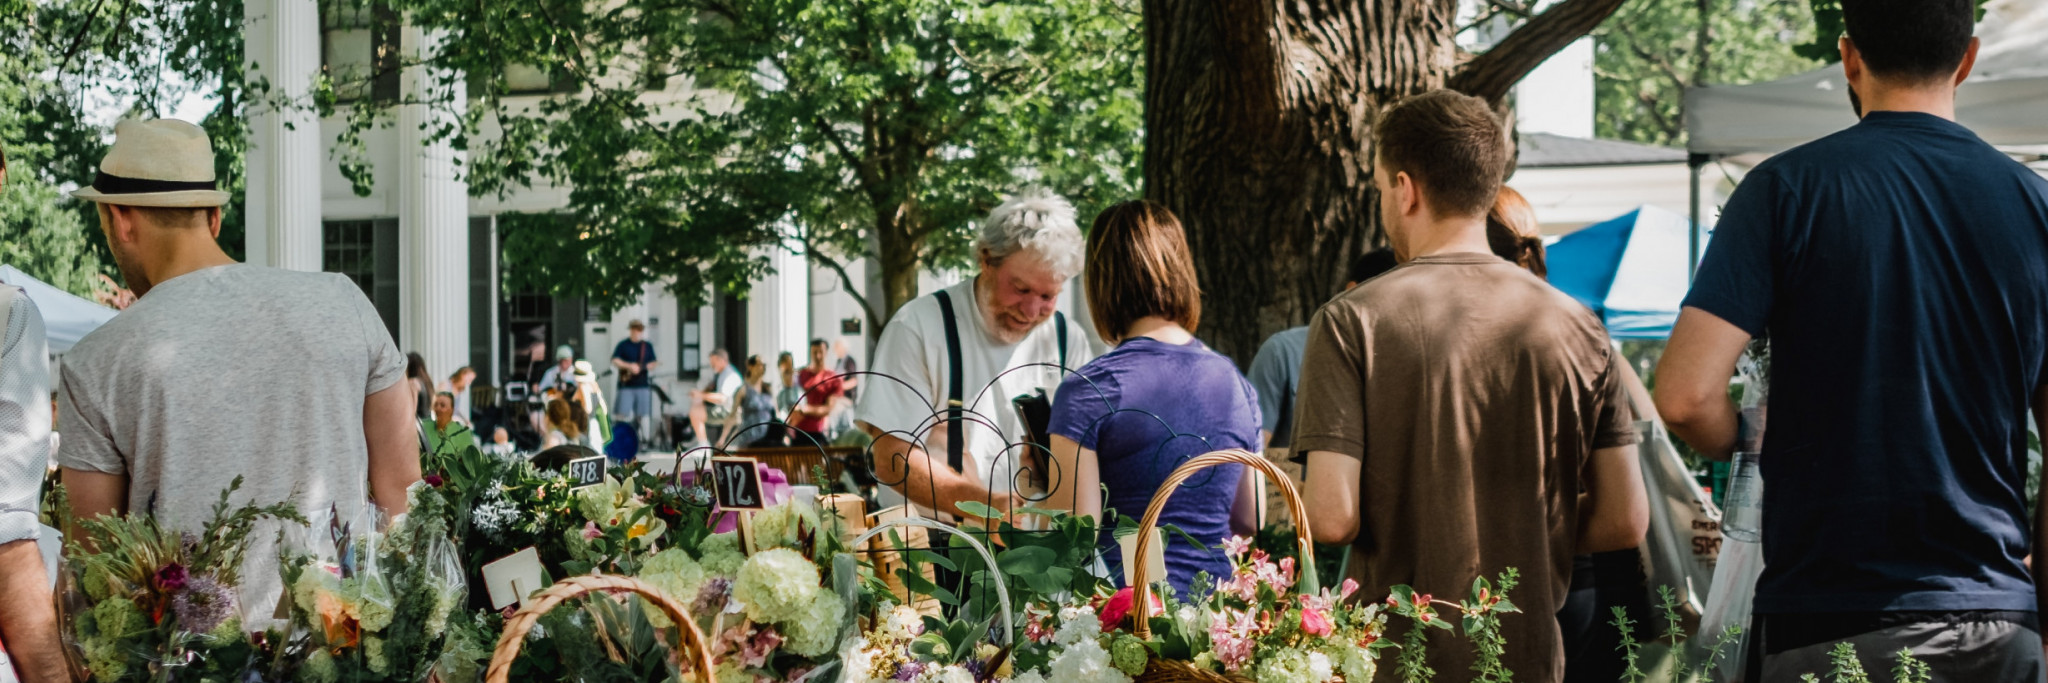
point(1126, 419)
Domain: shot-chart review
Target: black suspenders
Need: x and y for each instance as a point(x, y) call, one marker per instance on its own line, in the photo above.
point(956, 410)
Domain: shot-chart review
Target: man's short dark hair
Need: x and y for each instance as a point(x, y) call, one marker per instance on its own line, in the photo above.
point(815, 343)
point(1370, 265)
point(1451, 144)
point(1913, 40)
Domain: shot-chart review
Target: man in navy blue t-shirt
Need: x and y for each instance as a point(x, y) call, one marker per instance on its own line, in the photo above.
point(1900, 271)
point(634, 359)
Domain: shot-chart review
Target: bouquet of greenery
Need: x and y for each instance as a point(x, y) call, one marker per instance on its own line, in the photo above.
point(152, 604)
point(367, 606)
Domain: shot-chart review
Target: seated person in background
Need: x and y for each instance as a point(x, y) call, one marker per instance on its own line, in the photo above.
point(754, 423)
point(500, 445)
point(1125, 420)
point(444, 433)
point(563, 427)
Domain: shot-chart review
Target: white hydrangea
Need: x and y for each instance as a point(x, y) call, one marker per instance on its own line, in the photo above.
point(1077, 624)
point(1028, 677)
point(1319, 666)
point(855, 660)
point(1086, 662)
point(901, 623)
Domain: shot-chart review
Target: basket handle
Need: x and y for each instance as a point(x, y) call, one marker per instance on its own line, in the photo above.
point(1002, 586)
point(693, 647)
point(1141, 625)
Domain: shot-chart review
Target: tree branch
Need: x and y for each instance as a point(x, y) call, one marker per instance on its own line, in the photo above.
point(1491, 75)
point(852, 288)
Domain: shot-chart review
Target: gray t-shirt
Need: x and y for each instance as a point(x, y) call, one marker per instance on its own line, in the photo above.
point(1275, 373)
point(232, 370)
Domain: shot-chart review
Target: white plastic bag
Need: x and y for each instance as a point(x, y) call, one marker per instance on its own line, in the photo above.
point(1684, 544)
point(1734, 593)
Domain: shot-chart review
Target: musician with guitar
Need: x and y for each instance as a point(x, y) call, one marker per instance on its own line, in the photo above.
point(634, 358)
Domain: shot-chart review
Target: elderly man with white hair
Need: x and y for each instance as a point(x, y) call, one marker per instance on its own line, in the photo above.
point(976, 346)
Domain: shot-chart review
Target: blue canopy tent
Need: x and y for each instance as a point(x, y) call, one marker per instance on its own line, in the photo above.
point(66, 317)
point(1630, 270)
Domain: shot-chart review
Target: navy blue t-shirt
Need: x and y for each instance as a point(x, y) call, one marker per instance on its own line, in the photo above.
point(1900, 268)
point(633, 352)
point(1146, 407)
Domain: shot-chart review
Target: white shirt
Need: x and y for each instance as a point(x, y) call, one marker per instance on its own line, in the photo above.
point(913, 349)
point(25, 437)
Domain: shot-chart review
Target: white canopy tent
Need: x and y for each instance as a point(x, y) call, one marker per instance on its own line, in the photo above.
point(66, 317)
point(2005, 100)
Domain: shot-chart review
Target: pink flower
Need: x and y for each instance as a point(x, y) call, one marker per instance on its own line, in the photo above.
point(1350, 586)
point(1315, 620)
point(590, 530)
point(1231, 637)
point(1119, 606)
point(1236, 546)
point(757, 650)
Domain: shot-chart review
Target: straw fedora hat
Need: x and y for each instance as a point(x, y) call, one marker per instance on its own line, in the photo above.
point(159, 163)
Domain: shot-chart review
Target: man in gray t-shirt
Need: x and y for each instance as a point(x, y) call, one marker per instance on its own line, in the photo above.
point(1276, 370)
point(221, 369)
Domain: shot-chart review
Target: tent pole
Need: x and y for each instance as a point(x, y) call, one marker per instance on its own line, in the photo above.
point(1694, 162)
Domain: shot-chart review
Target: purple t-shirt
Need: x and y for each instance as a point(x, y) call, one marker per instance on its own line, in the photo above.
point(1146, 407)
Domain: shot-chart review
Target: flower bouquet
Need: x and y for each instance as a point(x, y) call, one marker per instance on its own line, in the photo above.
point(905, 645)
point(1253, 625)
point(151, 604)
point(367, 607)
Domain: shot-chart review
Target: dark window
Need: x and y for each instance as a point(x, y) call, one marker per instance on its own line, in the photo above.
point(366, 252)
point(359, 47)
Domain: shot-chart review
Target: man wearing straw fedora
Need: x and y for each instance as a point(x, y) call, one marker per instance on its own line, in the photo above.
point(221, 369)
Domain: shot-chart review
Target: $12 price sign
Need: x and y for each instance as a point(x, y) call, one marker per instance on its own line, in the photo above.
point(737, 484)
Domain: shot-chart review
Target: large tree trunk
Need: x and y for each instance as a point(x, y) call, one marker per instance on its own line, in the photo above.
point(1258, 120)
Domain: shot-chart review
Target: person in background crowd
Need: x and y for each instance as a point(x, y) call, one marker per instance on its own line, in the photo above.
point(422, 383)
point(458, 386)
point(501, 444)
point(715, 401)
point(1276, 370)
point(849, 369)
point(756, 414)
point(1128, 417)
point(1600, 581)
point(790, 392)
point(1464, 376)
point(560, 377)
point(445, 434)
point(564, 429)
point(147, 433)
point(28, 618)
point(821, 391)
point(634, 359)
point(1003, 318)
point(1899, 271)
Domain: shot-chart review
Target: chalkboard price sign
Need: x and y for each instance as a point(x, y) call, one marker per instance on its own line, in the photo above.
point(737, 484)
point(586, 472)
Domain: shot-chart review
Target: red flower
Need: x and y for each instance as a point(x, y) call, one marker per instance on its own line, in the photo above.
point(170, 578)
point(1119, 606)
point(435, 480)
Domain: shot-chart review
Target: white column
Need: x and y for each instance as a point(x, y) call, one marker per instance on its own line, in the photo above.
point(433, 217)
point(778, 309)
point(283, 193)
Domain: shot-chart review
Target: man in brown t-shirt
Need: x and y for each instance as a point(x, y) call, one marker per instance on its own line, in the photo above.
point(1456, 411)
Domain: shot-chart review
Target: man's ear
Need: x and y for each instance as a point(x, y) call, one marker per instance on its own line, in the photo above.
point(213, 221)
point(121, 223)
point(1407, 195)
point(1969, 60)
point(1852, 60)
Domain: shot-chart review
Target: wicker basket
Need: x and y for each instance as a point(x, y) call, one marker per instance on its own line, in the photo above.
point(693, 648)
point(1170, 671)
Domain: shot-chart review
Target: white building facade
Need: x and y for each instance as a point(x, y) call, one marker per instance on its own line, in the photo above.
point(428, 254)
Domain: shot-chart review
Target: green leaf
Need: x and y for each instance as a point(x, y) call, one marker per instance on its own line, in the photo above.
point(1026, 560)
point(923, 586)
point(1505, 606)
point(978, 509)
point(935, 558)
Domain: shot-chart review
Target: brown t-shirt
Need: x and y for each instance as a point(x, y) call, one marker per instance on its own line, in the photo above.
point(1473, 394)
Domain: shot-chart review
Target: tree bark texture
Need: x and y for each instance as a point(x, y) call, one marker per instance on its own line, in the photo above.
point(1258, 119)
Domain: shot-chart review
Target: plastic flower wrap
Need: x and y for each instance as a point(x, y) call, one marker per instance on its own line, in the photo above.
point(368, 606)
point(150, 603)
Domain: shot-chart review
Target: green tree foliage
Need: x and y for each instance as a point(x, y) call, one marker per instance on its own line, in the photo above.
point(67, 61)
point(1651, 50)
point(839, 129)
point(40, 232)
